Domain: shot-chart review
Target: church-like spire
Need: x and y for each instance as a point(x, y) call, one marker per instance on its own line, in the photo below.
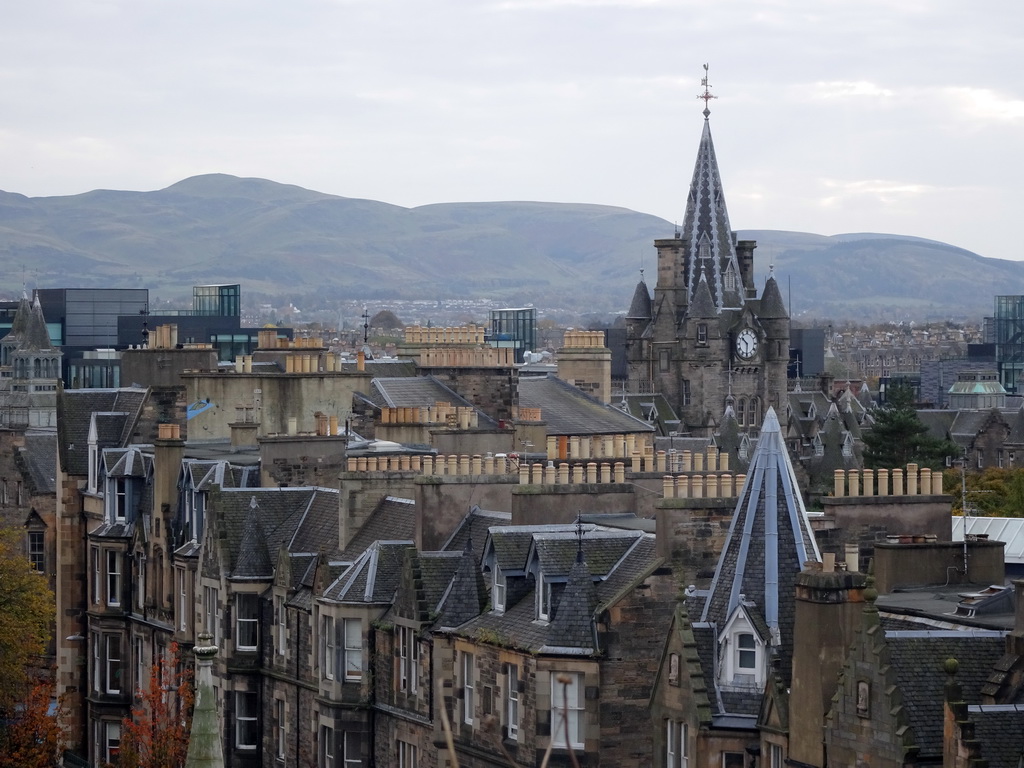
point(706, 232)
point(768, 542)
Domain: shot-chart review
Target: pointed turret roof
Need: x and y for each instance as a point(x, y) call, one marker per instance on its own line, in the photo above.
point(253, 556)
point(573, 624)
point(640, 308)
point(706, 230)
point(703, 303)
point(19, 323)
point(769, 540)
point(772, 305)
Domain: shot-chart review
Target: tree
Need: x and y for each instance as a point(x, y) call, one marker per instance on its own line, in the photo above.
point(156, 733)
point(385, 319)
point(35, 737)
point(898, 437)
point(26, 619)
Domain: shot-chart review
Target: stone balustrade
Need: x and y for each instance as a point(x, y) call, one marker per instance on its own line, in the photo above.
point(913, 481)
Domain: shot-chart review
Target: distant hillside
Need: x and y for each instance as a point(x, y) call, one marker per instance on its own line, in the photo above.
point(283, 240)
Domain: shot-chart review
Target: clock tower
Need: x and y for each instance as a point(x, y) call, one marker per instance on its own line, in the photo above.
point(707, 335)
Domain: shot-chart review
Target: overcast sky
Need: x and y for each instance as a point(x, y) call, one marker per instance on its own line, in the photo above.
point(902, 116)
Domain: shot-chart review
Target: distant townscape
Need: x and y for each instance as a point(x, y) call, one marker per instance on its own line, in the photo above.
point(759, 503)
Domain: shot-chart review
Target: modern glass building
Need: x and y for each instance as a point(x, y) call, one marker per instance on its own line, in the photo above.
point(1008, 324)
point(218, 300)
point(515, 329)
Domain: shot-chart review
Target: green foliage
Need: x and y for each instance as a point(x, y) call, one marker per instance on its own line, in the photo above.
point(26, 618)
point(990, 493)
point(898, 437)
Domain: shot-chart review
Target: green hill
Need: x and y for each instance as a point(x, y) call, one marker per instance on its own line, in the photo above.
point(283, 240)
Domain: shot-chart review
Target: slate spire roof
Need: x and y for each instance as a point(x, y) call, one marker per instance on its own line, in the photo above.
point(772, 305)
point(573, 625)
point(768, 543)
point(703, 303)
point(640, 308)
point(706, 230)
point(253, 557)
point(36, 337)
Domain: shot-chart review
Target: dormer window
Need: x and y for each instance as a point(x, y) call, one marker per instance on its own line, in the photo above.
point(119, 499)
point(543, 599)
point(94, 466)
point(741, 652)
point(702, 334)
point(498, 590)
point(848, 446)
point(730, 279)
point(819, 447)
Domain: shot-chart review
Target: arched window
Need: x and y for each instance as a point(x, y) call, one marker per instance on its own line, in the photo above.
point(755, 411)
point(741, 411)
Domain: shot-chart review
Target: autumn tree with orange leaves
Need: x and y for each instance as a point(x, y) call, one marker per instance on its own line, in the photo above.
point(35, 738)
point(156, 733)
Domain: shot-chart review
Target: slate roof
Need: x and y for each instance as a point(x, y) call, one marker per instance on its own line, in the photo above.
point(917, 659)
point(373, 577)
point(421, 392)
point(640, 307)
point(126, 462)
point(769, 541)
point(654, 409)
point(465, 597)
point(473, 529)
point(702, 306)
point(75, 408)
point(295, 518)
point(1000, 730)
point(392, 519)
point(38, 458)
point(568, 411)
point(253, 560)
point(35, 337)
point(624, 558)
point(573, 623)
point(772, 305)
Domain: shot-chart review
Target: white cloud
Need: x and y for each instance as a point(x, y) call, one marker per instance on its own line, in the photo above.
point(848, 89)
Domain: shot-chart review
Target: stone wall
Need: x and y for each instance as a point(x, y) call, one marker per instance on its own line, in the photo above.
point(691, 534)
point(277, 397)
point(493, 390)
point(442, 502)
point(903, 564)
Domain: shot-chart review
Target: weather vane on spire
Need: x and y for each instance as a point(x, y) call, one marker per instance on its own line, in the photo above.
point(707, 95)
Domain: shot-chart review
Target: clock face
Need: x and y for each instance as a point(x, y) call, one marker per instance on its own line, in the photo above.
point(746, 343)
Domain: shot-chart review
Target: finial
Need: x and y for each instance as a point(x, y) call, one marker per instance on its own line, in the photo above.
point(579, 537)
point(707, 92)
